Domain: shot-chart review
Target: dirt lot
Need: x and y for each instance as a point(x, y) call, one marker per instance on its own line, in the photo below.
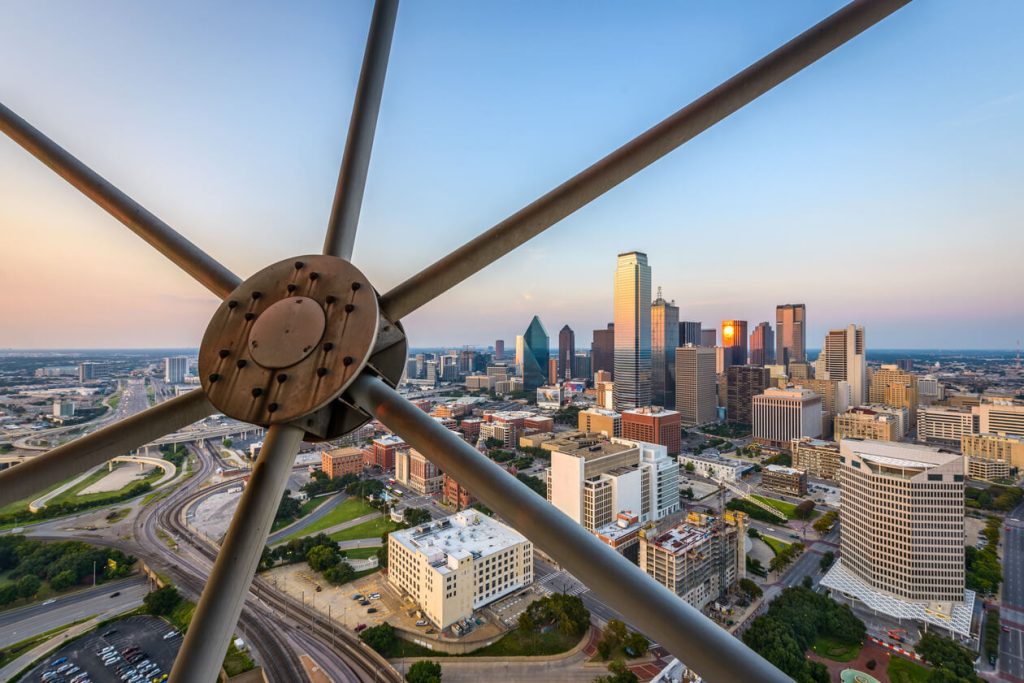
point(123, 475)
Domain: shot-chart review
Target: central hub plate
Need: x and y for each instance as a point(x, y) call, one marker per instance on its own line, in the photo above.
point(289, 340)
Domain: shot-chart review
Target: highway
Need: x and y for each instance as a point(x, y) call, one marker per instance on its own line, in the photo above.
point(18, 624)
point(1011, 613)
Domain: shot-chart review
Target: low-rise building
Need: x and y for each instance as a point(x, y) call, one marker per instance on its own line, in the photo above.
point(994, 448)
point(600, 421)
point(455, 494)
point(781, 415)
point(865, 423)
point(453, 566)
point(817, 458)
point(945, 425)
point(622, 535)
point(338, 462)
point(481, 382)
point(654, 424)
point(713, 465)
point(987, 470)
point(786, 480)
point(414, 470)
point(382, 452)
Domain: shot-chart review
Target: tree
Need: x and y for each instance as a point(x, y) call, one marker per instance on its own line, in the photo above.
point(227, 442)
point(539, 487)
point(28, 586)
point(943, 653)
point(752, 590)
point(381, 638)
point(619, 673)
point(827, 558)
point(162, 601)
point(64, 580)
point(322, 557)
point(689, 467)
point(424, 672)
point(804, 510)
point(753, 533)
point(807, 582)
point(637, 643)
point(340, 573)
point(613, 636)
point(825, 522)
point(289, 508)
point(416, 516)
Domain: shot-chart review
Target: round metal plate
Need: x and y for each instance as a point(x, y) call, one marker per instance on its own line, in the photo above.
point(267, 359)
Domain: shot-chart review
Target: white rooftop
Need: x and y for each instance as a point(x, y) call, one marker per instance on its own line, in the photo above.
point(468, 531)
point(602, 411)
point(652, 411)
point(782, 469)
point(389, 440)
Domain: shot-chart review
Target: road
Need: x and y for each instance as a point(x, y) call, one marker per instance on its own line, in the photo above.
point(318, 514)
point(18, 624)
point(1011, 613)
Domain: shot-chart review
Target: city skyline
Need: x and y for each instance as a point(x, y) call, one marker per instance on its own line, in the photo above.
point(839, 165)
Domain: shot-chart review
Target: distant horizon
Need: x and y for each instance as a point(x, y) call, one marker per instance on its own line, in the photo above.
point(509, 349)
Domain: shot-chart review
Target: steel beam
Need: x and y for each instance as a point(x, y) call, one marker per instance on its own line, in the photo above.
point(206, 643)
point(348, 196)
point(686, 633)
point(158, 234)
point(85, 452)
point(634, 156)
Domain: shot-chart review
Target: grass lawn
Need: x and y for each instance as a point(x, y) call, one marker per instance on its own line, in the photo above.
point(360, 553)
point(788, 509)
point(236, 662)
point(905, 671)
point(373, 528)
point(404, 648)
point(22, 504)
point(775, 544)
point(350, 508)
point(836, 650)
point(304, 509)
point(114, 401)
point(519, 644)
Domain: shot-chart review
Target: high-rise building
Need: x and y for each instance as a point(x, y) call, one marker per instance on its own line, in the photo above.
point(602, 350)
point(414, 470)
point(552, 371)
point(1000, 417)
point(653, 424)
point(844, 352)
point(709, 338)
point(632, 331)
point(743, 383)
point(762, 345)
point(905, 364)
point(781, 415)
point(87, 371)
point(734, 341)
point(892, 386)
point(581, 366)
point(664, 340)
point(566, 352)
point(536, 353)
point(945, 425)
point(499, 349)
point(520, 354)
point(689, 333)
point(696, 397)
point(790, 333)
point(902, 533)
point(835, 399)
point(175, 368)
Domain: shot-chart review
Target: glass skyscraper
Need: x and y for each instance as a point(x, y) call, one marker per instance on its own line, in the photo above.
point(632, 331)
point(790, 333)
point(664, 342)
point(536, 353)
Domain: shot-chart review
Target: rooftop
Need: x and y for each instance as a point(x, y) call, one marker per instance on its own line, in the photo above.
point(782, 469)
point(601, 411)
point(680, 539)
point(587, 445)
point(714, 457)
point(466, 533)
point(650, 411)
point(389, 440)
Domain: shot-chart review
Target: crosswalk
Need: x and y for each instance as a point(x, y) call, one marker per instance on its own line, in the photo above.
point(561, 582)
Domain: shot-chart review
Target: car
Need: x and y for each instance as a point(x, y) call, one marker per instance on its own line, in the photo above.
point(357, 596)
point(50, 601)
point(421, 622)
point(107, 634)
point(375, 596)
point(359, 628)
point(372, 610)
point(160, 679)
point(115, 594)
point(1006, 629)
point(58, 662)
point(364, 603)
point(170, 634)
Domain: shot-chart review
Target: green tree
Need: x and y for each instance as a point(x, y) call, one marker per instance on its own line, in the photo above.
point(618, 673)
point(424, 671)
point(381, 638)
point(689, 467)
point(827, 558)
point(638, 643)
point(28, 586)
point(162, 601)
point(64, 580)
point(416, 516)
point(804, 510)
point(944, 654)
point(340, 573)
point(752, 590)
point(322, 557)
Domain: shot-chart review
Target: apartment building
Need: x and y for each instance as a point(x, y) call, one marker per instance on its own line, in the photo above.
point(819, 459)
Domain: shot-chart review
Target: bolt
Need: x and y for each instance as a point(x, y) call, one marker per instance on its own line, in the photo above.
point(224, 353)
point(299, 265)
point(314, 275)
point(355, 286)
point(257, 392)
point(281, 378)
point(232, 303)
point(328, 346)
point(292, 287)
point(250, 316)
point(349, 308)
point(272, 407)
point(320, 372)
point(330, 300)
point(241, 363)
point(214, 377)
point(347, 360)
point(256, 295)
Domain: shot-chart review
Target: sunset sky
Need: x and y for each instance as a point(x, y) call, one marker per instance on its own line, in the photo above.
point(881, 186)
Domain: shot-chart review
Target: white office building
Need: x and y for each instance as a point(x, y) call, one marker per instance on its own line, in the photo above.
point(175, 369)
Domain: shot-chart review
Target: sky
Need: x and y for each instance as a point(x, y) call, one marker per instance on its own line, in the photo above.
point(880, 186)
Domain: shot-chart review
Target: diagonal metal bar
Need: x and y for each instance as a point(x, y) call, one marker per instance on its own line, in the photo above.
point(635, 155)
point(171, 244)
point(348, 196)
point(96, 448)
point(206, 643)
point(689, 635)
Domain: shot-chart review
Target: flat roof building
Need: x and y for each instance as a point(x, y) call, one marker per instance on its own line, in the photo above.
point(654, 424)
point(600, 421)
point(781, 415)
point(817, 458)
point(712, 465)
point(945, 425)
point(786, 480)
point(865, 423)
point(338, 462)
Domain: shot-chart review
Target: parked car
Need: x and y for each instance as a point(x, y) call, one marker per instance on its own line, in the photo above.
point(360, 628)
point(421, 622)
point(372, 610)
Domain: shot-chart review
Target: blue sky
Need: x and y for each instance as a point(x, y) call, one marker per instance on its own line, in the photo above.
point(880, 186)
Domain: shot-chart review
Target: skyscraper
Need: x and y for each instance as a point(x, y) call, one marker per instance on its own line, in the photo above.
point(845, 360)
point(762, 345)
point(696, 398)
point(536, 352)
point(689, 333)
point(520, 353)
point(566, 352)
point(709, 338)
point(664, 340)
point(632, 331)
point(790, 333)
point(499, 349)
point(734, 341)
point(175, 368)
point(602, 350)
point(742, 384)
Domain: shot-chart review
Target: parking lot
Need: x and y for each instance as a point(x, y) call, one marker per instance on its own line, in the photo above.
point(144, 633)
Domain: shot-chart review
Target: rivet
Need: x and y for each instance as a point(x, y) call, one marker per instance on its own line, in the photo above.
point(328, 346)
point(299, 265)
point(232, 303)
point(349, 308)
point(320, 372)
point(224, 353)
point(292, 287)
point(256, 295)
point(314, 275)
point(355, 286)
point(347, 360)
point(242, 363)
point(250, 316)
point(272, 407)
point(281, 378)
point(330, 300)
point(214, 377)
point(257, 392)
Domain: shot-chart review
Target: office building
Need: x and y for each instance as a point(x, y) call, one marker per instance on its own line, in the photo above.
point(790, 333)
point(535, 355)
point(762, 345)
point(713, 465)
point(63, 408)
point(553, 371)
point(382, 452)
point(338, 462)
point(734, 341)
point(696, 395)
point(905, 364)
point(499, 349)
point(692, 558)
point(994, 448)
point(88, 371)
point(602, 351)
point(581, 366)
point(929, 389)
point(987, 470)
point(689, 333)
point(622, 535)
point(455, 495)
point(781, 415)
point(1000, 417)
point(945, 425)
point(414, 470)
point(566, 352)
point(709, 338)
point(742, 384)
point(453, 566)
point(787, 480)
point(865, 423)
point(891, 386)
point(819, 459)
point(664, 341)
point(632, 331)
point(844, 356)
point(593, 478)
point(653, 424)
point(835, 400)
point(480, 383)
point(605, 395)
point(600, 421)
point(175, 369)
point(902, 533)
